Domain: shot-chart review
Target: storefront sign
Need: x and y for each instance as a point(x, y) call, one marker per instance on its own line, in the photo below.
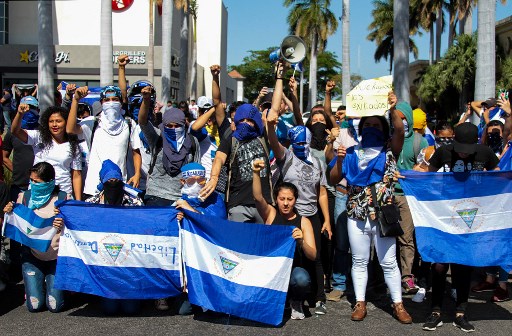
point(32, 57)
point(121, 5)
point(136, 56)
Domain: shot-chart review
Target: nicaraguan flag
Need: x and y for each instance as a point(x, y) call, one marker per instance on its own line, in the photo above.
point(235, 268)
point(298, 67)
point(119, 252)
point(27, 228)
point(506, 158)
point(462, 218)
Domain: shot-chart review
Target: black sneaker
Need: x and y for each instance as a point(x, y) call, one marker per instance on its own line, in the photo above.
point(462, 323)
point(433, 321)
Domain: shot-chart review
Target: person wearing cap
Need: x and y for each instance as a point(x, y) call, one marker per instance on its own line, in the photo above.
point(171, 148)
point(464, 155)
point(110, 136)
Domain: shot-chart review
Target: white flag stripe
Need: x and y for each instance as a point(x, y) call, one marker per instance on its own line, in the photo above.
point(22, 225)
point(444, 215)
point(250, 270)
point(121, 250)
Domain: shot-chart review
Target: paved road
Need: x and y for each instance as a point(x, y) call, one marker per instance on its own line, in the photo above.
point(84, 318)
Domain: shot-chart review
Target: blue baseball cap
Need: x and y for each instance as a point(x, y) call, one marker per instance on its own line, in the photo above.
point(29, 100)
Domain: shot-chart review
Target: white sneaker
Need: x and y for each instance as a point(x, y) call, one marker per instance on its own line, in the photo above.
point(297, 313)
point(420, 295)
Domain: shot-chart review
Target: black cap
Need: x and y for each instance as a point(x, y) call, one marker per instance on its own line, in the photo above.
point(490, 102)
point(267, 99)
point(466, 138)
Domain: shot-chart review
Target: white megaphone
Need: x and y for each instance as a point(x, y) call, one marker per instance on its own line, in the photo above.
point(292, 50)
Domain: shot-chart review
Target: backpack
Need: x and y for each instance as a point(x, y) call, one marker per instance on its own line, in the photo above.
point(61, 196)
point(235, 144)
point(416, 146)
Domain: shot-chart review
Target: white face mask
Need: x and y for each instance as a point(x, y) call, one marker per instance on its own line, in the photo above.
point(111, 110)
point(192, 191)
point(111, 117)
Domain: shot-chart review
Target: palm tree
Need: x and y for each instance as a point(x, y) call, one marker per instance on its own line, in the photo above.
point(401, 47)
point(151, 47)
point(192, 82)
point(183, 5)
point(345, 59)
point(167, 8)
point(465, 10)
point(430, 13)
point(381, 31)
point(106, 69)
point(45, 54)
point(485, 81)
point(314, 22)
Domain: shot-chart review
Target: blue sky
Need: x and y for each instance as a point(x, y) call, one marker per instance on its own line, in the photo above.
point(259, 24)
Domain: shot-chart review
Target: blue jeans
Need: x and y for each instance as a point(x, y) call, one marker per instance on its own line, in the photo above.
point(35, 274)
point(7, 120)
point(341, 262)
point(300, 284)
point(115, 306)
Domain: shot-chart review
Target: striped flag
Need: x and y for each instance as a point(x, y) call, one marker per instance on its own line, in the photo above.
point(119, 252)
point(241, 269)
point(27, 228)
point(462, 218)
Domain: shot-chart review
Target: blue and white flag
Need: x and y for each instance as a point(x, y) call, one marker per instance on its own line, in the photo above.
point(119, 252)
point(27, 228)
point(506, 158)
point(462, 218)
point(241, 269)
point(298, 67)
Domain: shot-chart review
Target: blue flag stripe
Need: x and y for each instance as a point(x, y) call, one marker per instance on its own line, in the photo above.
point(116, 282)
point(13, 233)
point(214, 230)
point(450, 186)
point(29, 215)
point(466, 249)
point(254, 303)
point(77, 216)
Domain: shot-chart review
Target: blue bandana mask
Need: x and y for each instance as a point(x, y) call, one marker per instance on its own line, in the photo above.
point(372, 137)
point(135, 114)
point(30, 120)
point(174, 137)
point(40, 193)
point(302, 152)
point(244, 131)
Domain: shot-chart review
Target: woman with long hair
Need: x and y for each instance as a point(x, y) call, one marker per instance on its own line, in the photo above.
point(52, 144)
point(284, 213)
point(370, 168)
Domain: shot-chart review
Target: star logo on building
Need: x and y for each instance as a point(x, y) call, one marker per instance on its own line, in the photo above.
point(24, 56)
point(227, 264)
point(113, 250)
point(468, 216)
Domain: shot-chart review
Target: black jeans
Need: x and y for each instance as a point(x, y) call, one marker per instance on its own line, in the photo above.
point(461, 281)
point(315, 268)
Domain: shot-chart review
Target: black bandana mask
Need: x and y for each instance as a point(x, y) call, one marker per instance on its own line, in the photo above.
point(443, 141)
point(113, 192)
point(318, 139)
point(495, 142)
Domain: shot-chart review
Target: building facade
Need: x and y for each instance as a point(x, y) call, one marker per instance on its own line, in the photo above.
point(76, 37)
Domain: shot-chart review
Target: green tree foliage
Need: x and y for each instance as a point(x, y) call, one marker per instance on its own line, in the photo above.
point(456, 69)
point(505, 81)
point(259, 72)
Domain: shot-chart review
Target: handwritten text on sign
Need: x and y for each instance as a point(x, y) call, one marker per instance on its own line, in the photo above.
point(370, 97)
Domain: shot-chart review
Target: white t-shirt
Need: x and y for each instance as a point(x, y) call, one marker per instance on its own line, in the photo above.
point(59, 156)
point(107, 147)
point(207, 150)
point(194, 110)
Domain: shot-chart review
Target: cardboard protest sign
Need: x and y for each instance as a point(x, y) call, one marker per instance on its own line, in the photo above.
point(370, 97)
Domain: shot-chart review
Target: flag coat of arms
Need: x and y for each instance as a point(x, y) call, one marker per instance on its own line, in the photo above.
point(119, 252)
point(462, 218)
point(27, 228)
point(241, 269)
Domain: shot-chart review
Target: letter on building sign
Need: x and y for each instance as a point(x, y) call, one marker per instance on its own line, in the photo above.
point(62, 57)
point(121, 5)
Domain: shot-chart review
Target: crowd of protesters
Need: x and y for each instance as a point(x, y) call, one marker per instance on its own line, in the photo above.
point(257, 163)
